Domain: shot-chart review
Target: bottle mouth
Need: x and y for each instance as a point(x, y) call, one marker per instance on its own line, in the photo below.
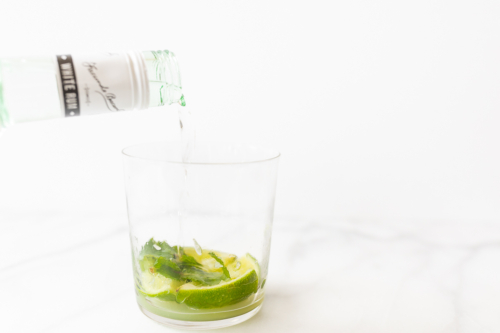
point(166, 67)
point(164, 77)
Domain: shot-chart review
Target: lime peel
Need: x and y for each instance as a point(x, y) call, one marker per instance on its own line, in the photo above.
point(225, 293)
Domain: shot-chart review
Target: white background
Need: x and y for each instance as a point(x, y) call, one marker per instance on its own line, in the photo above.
point(381, 109)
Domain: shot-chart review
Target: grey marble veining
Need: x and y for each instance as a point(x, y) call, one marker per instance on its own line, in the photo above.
point(61, 273)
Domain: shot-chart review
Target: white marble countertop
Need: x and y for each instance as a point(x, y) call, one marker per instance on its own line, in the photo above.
point(72, 273)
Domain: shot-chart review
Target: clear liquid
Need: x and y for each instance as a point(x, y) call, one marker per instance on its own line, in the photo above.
point(188, 138)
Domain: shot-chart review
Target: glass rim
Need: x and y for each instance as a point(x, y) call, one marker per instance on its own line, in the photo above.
point(275, 155)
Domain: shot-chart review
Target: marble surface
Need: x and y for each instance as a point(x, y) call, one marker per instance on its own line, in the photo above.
point(72, 273)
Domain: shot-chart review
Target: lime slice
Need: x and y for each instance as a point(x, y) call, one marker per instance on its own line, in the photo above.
point(257, 269)
point(156, 285)
point(242, 265)
point(147, 261)
point(209, 263)
point(225, 293)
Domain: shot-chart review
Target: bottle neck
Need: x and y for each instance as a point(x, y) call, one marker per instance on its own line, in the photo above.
point(164, 78)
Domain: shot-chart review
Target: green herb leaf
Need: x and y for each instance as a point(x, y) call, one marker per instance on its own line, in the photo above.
point(219, 260)
point(151, 251)
point(167, 268)
point(201, 277)
point(173, 262)
point(189, 261)
point(157, 249)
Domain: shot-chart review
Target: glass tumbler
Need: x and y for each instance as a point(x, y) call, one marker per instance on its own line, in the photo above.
point(200, 231)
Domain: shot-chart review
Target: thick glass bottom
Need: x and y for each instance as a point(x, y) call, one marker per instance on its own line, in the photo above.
point(201, 325)
point(176, 311)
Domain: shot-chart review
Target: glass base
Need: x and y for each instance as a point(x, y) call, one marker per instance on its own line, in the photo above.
point(200, 325)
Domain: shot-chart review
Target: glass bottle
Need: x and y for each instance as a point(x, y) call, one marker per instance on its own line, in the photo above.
point(37, 88)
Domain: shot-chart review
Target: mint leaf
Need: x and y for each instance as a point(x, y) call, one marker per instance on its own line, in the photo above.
point(189, 261)
point(157, 249)
point(219, 260)
point(173, 262)
point(201, 277)
point(167, 268)
point(186, 273)
point(152, 250)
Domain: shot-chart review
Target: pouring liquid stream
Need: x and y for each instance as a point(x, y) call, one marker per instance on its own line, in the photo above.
point(188, 138)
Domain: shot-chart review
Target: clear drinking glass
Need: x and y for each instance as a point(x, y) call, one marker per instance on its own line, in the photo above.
point(200, 231)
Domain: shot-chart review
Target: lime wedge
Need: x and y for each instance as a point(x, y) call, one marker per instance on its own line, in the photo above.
point(225, 293)
point(156, 285)
point(242, 265)
point(243, 280)
point(209, 263)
